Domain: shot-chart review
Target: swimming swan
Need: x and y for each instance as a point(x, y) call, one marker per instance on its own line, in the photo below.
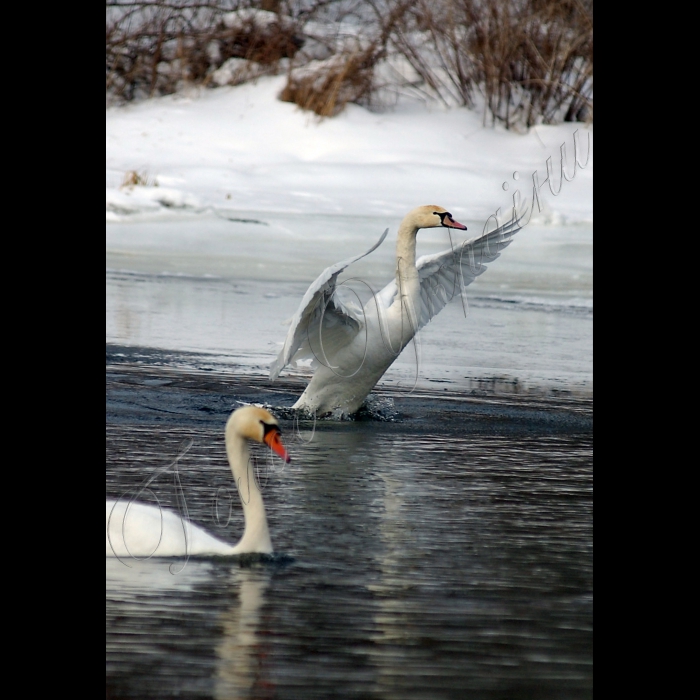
point(352, 346)
point(151, 531)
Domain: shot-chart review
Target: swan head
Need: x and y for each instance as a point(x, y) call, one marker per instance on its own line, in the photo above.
point(432, 216)
point(257, 424)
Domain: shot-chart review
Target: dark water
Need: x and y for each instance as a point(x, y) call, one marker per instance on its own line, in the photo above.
point(444, 555)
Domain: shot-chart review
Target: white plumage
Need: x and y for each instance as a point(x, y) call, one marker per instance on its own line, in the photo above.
point(141, 531)
point(352, 346)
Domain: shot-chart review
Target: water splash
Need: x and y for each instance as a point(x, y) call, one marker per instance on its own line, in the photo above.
point(374, 407)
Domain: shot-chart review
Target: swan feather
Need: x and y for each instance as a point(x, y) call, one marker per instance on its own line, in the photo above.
point(342, 319)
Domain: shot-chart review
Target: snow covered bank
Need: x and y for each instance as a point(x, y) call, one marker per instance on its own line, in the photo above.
point(239, 148)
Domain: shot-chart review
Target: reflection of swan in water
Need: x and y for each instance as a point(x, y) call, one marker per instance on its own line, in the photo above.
point(141, 596)
point(140, 530)
point(352, 346)
point(240, 669)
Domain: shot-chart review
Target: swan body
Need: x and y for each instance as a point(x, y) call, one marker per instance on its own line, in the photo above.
point(352, 347)
point(139, 530)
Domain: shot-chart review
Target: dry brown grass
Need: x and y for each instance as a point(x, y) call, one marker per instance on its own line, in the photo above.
point(133, 178)
point(523, 61)
point(530, 60)
point(349, 75)
point(328, 88)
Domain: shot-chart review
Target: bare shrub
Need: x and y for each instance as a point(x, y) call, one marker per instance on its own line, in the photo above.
point(523, 62)
point(154, 47)
point(531, 60)
point(326, 87)
point(349, 72)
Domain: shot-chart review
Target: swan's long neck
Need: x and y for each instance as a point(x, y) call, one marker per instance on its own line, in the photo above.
point(256, 536)
point(406, 253)
point(407, 279)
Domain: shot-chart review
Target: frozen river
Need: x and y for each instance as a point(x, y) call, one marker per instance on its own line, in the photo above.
point(222, 284)
point(444, 554)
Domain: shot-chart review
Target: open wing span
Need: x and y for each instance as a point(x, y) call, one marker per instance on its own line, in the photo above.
point(341, 319)
point(445, 275)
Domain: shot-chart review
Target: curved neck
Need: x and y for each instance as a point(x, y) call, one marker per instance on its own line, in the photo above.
point(407, 301)
point(405, 251)
point(256, 536)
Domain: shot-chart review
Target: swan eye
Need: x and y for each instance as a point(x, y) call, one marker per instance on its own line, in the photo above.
point(442, 215)
point(267, 428)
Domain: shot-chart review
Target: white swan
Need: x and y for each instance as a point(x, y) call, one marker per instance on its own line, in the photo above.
point(353, 347)
point(139, 530)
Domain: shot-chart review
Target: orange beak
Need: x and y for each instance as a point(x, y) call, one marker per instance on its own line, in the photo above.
point(451, 223)
point(273, 441)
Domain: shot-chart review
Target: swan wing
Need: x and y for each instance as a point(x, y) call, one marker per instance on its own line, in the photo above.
point(322, 304)
point(141, 531)
point(445, 275)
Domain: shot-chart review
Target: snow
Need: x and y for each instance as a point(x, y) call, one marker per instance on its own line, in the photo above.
point(240, 148)
point(247, 199)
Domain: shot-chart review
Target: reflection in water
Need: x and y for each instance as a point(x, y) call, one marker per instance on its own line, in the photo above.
point(425, 566)
point(390, 619)
point(143, 596)
point(240, 671)
point(505, 345)
point(133, 579)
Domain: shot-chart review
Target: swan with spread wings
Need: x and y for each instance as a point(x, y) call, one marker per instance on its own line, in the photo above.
point(352, 346)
